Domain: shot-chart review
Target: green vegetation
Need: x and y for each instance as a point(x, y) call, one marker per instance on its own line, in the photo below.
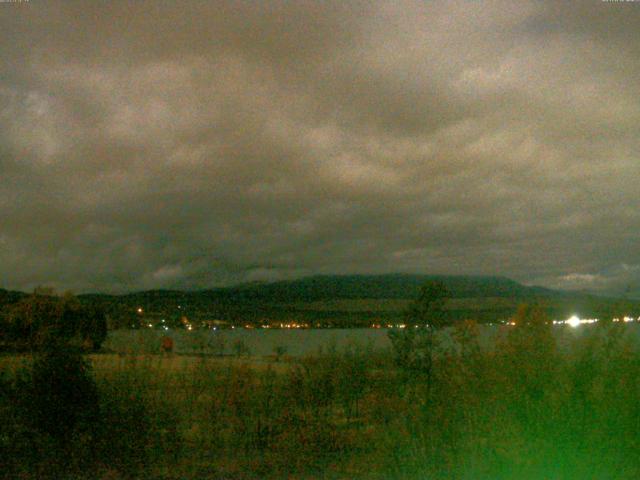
point(434, 406)
point(414, 344)
point(42, 319)
point(342, 301)
point(524, 409)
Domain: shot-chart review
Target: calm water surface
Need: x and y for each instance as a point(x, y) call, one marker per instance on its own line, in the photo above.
point(300, 341)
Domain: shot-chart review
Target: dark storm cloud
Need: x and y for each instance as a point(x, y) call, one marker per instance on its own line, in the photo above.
point(191, 144)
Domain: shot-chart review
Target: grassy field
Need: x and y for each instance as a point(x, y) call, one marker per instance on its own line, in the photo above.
point(522, 410)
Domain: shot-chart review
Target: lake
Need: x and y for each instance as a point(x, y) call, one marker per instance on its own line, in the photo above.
point(298, 341)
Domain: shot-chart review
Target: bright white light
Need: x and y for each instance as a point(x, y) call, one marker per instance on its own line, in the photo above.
point(573, 321)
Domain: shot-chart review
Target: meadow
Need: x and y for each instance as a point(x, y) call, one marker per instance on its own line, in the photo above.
point(528, 407)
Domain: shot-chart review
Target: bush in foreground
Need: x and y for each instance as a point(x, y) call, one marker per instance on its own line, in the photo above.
point(43, 320)
point(522, 409)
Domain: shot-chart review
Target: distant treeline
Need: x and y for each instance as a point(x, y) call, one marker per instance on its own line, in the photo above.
point(341, 301)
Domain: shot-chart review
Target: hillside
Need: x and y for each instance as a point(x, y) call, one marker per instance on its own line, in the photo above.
point(343, 301)
point(331, 287)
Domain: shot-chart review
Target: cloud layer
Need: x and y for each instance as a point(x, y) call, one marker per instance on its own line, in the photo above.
point(193, 144)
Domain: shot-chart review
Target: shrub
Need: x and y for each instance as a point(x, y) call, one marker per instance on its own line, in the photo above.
point(59, 394)
point(414, 345)
point(43, 319)
point(54, 415)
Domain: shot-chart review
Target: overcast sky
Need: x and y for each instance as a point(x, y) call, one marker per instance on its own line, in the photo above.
point(186, 144)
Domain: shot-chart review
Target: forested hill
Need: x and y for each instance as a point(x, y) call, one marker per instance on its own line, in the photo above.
point(391, 286)
point(336, 287)
point(342, 300)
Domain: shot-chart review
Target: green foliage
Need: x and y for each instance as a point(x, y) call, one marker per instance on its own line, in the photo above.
point(521, 408)
point(43, 319)
point(413, 348)
point(51, 415)
point(427, 310)
point(58, 394)
point(57, 421)
point(130, 428)
point(414, 345)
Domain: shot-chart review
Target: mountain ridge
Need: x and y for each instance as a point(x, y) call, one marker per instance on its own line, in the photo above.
point(342, 301)
point(325, 286)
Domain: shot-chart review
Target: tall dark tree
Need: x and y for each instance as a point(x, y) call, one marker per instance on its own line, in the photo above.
point(413, 345)
point(42, 319)
point(428, 309)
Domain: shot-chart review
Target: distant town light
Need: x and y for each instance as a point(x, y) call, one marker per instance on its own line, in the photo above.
point(574, 321)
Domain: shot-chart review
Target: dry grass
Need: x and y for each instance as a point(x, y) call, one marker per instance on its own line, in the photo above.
point(524, 410)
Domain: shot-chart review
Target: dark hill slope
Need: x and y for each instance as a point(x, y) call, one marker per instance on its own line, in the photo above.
point(394, 286)
point(342, 300)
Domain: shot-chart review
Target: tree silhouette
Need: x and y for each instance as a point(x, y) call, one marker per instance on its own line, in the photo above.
point(413, 345)
point(43, 318)
point(428, 309)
